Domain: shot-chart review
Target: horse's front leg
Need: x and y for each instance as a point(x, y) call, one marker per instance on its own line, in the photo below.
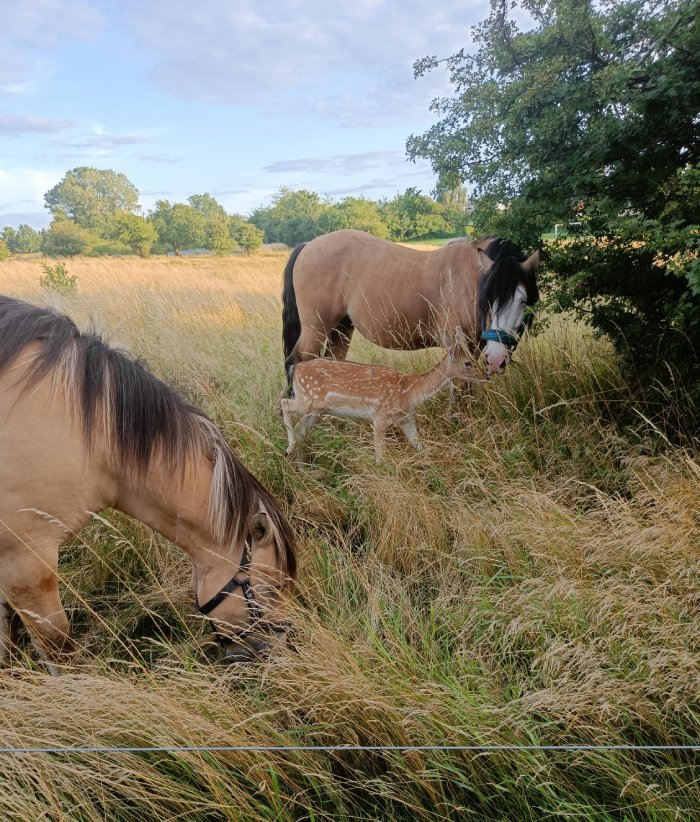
point(35, 598)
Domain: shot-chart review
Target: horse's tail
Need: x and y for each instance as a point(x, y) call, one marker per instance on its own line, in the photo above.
point(291, 324)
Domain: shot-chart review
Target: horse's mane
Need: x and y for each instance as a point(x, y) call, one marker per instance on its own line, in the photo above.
point(143, 416)
point(498, 284)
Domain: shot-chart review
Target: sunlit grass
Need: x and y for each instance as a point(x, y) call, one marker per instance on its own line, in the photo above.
point(532, 577)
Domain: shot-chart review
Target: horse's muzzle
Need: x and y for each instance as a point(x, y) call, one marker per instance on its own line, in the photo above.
point(255, 647)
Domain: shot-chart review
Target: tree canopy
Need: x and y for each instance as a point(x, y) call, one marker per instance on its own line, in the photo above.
point(294, 217)
point(137, 233)
point(178, 225)
point(588, 113)
point(21, 240)
point(65, 238)
point(90, 197)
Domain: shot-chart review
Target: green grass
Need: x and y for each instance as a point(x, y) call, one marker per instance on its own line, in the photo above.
point(531, 578)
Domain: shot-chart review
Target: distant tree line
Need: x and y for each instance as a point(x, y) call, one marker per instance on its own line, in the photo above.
point(96, 212)
point(297, 216)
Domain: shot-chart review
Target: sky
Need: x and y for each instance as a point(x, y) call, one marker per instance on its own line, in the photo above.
point(236, 98)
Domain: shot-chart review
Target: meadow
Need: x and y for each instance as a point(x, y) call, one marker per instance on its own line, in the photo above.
point(531, 578)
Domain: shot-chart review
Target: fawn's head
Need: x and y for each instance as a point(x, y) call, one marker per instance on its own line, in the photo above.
point(458, 363)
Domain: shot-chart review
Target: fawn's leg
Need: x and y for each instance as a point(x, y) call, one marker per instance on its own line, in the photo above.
point(379, 428)
point(296, 435)
point(287, 416)
point(408, 426)
point(305, 425)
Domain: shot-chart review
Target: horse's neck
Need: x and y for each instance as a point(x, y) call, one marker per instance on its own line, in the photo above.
point(175, 505)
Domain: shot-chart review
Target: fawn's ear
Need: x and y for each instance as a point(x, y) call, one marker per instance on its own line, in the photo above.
point(459, 343)
point(460, 339)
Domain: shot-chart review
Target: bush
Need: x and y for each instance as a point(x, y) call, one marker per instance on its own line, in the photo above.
point(246, 236)
point(636, 278)
point(109, 248)
point(4, 250)
point(66, 239)
point(129, 233)
point(56, 278)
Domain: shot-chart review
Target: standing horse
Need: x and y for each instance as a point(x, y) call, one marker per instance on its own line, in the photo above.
point(85, 427)
point(400, 297)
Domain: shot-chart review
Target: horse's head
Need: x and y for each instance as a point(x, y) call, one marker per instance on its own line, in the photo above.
point(507, 287)
point(248, 612)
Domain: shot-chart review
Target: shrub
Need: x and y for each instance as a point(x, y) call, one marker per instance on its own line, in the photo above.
point(246, 235)
point(56, 278)
point(66, 239)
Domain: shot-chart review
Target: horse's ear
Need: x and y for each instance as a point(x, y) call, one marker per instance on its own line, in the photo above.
point(260, 529)
point(531, 263)
point(485, 262)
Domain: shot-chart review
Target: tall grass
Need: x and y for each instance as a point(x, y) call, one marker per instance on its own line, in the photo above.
point(532, 577)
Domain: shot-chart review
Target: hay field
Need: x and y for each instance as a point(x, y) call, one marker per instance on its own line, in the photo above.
point(531, 578)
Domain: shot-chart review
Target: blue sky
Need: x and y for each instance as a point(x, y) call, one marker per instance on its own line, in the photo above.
point(232, 97)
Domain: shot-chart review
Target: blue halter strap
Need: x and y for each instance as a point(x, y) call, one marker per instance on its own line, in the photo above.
point(503, 337)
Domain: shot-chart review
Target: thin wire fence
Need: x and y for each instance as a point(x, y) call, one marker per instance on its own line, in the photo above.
point(340, 748)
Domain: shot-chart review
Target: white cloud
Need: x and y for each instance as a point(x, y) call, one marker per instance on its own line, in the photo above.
point(32, 28)
point(16, 124)
point(105, 142)
point(158, 158)
point(339, 163)
point(269, 54)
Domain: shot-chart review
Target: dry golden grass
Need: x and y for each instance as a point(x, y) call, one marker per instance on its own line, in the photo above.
point(533, 577)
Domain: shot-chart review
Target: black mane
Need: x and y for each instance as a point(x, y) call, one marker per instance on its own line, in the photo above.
point(498, 284)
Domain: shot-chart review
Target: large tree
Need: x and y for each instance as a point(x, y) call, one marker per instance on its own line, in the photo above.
point(412, 215)
point(294, 217)
point(217, 236)
point(65, 238)
point(134, 231)
point(178, 225)
point(207, 205)
point(589, 113)
point(90, 197)
point(245, 235)
point(361, 213)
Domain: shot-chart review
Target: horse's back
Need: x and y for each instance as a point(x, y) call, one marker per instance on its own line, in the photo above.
point(356, 254)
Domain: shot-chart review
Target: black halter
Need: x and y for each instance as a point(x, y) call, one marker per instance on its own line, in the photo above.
point(235, 582)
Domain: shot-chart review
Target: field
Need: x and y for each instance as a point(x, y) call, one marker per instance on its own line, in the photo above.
point(531, 578)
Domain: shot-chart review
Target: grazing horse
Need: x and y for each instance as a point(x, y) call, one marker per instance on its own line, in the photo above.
point(400, 297)
point(85, 427)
